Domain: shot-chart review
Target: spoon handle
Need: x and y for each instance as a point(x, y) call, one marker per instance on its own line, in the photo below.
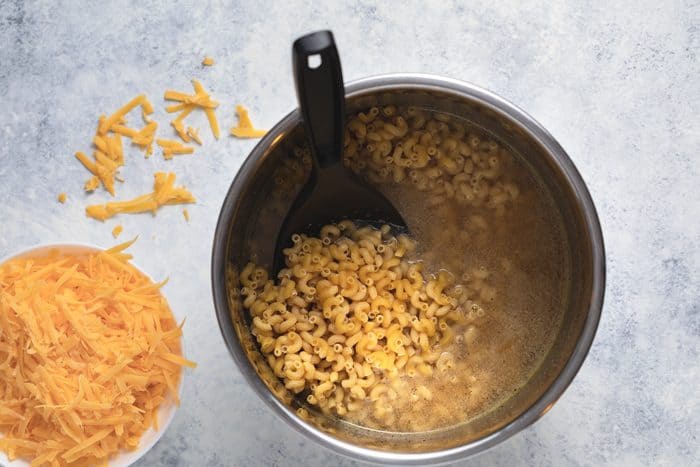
point(321, 95)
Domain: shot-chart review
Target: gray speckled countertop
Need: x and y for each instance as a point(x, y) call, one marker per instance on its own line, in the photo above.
point(615, 82)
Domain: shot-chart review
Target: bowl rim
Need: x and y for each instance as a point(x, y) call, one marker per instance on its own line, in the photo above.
point(509, 111)
point(122, 458)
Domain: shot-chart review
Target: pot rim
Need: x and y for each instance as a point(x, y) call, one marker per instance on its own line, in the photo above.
point(499, 105)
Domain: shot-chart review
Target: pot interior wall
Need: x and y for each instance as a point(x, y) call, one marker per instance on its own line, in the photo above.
point(267, 185)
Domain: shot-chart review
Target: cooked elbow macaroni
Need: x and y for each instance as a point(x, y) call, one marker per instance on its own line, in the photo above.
point(437, 153)
point(350, 315)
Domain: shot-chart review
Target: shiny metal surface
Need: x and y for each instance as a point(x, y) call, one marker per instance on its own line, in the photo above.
point(243, 230)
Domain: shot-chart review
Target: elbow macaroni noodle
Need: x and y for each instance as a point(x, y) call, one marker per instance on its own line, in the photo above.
point(350, 316)
point(435, 152)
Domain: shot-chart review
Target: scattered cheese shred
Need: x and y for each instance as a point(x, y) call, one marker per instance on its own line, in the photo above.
point(179, 126)
point(208, 61)
point(211, 116)
point(117, 230)
point(186, 214)
point(85, 160)
point(172, 148)
point(125, 131)
point(62, 197)
point(164, 192)
point(194, 134)
point(245, 127)
point(89, 352)
point(188, 102)
point(92, 183)
point(107, 123)
point(144, 138)
point(109, 151)
point(146, 109)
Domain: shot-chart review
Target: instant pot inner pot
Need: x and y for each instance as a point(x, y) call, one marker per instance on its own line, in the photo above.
point(267, 185)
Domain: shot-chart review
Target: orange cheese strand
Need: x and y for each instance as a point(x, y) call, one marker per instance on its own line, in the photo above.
point(164, 193)
point(92, 183)
point(89, 351)
point(107, 123)
point(109, 151)
point(62, 197)
point(125, 131)
point(177, 150)
point(200, 99)
point(188, 102)
point(172, 147)
point(146, 109)
point(211, 116)
point(208, 61)
point(194, 134)
point(179, 125)
point(245, 127)
point(144, 138)
point(180, 130)
point(117, 230)
point(85, 160)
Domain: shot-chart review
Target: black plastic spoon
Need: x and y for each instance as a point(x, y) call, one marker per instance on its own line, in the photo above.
point(332, 192)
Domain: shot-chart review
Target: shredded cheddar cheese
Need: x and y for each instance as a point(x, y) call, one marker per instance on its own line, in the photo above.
point(116, 117)
point(108, 156)
point(164, 192)
point(116, 231)
point(179, 125)
point(172, 148)
point(144, 138)
point(208, 61)
point(62, 197)
point(92, 183)
point(186, 214)
point(245, 127)
point(89, 352)
point(194, 134)
point(188, 102)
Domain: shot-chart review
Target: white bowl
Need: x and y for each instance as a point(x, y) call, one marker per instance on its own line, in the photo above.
point(166, 411)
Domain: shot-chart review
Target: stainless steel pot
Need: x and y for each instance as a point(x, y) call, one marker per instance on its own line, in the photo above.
point(264, 188)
